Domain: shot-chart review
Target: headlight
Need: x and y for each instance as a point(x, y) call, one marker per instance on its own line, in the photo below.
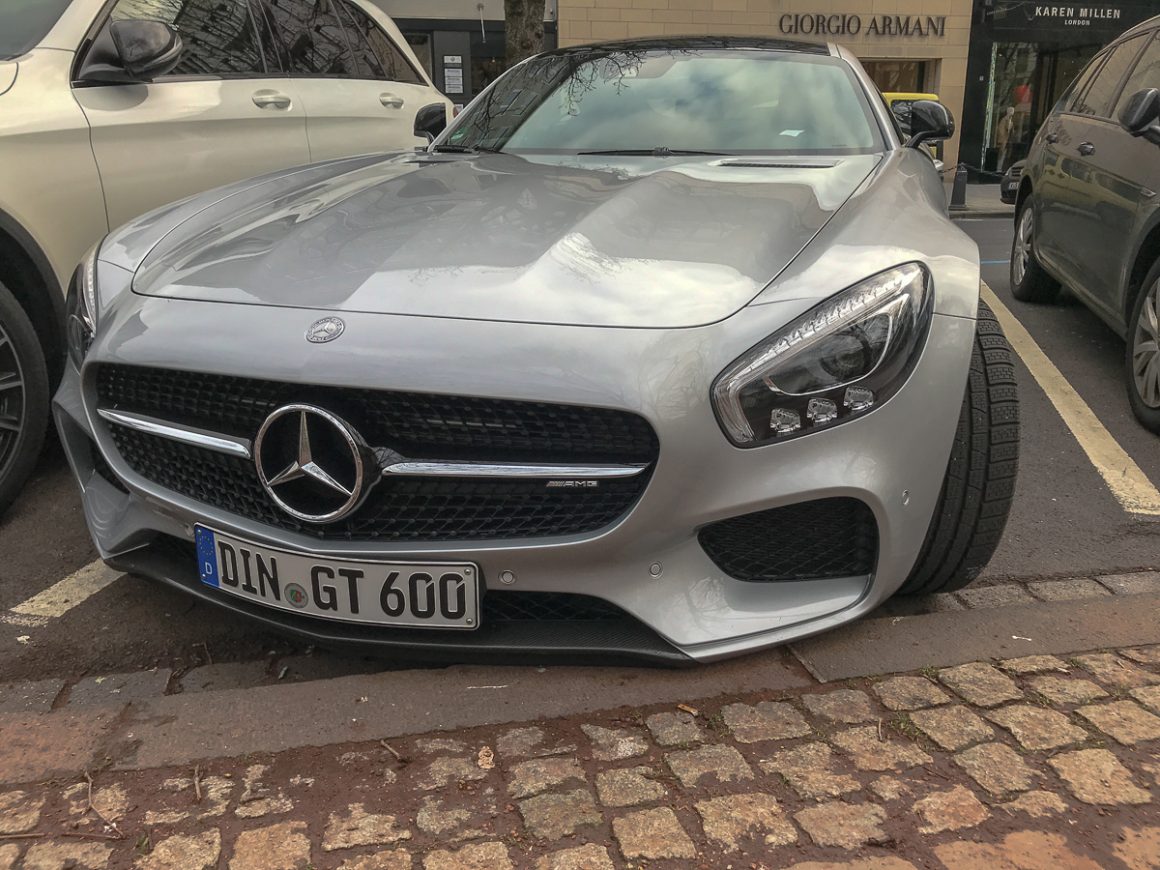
point(836, 362)
point(82, 307)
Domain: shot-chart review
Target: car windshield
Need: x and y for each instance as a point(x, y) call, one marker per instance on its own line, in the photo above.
point(23, 23)
point(729, 101)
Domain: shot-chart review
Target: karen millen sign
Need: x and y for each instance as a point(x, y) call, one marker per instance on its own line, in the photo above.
point(1072, 16)
point(840, 24)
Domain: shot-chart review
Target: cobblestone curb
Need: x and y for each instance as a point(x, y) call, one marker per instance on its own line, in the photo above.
point(1040, 762)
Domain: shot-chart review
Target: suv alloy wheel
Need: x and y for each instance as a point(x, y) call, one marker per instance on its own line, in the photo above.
point(1143, 353)
point(23, 397)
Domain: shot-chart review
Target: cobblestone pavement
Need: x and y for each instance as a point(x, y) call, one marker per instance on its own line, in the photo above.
point(1039, 762)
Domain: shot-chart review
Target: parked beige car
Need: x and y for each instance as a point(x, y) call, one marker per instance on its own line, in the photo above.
point(110, 110)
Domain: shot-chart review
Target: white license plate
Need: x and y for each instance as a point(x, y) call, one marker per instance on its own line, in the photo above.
point(404, 594)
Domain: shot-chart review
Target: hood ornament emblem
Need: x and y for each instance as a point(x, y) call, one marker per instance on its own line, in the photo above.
point(311, 463)
point(325, 329)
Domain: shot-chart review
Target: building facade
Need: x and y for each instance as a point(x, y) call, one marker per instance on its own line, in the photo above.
point(1022, 57)
point(460, 42)
point(905, 45)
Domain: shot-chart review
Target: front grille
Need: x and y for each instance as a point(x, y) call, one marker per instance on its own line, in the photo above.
point(417, 425)
point(832, 537)
point(397, 509)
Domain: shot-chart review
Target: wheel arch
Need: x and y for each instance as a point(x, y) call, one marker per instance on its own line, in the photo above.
point(1024, 192)
point(27, 273)
point(1146, 254)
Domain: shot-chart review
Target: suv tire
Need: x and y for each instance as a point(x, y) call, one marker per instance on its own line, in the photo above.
point(980, 478)
point(23, 397)
point(1029, 280)
point(1144, 326)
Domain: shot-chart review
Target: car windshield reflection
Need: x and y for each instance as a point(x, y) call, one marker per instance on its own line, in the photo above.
point(672, 102)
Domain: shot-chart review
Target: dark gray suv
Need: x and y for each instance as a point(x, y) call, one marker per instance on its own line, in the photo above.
point(1087, 212)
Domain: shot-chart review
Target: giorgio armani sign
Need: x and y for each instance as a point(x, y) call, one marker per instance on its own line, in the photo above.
point(852, 24)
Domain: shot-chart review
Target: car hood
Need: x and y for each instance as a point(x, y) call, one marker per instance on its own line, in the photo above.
point(581, 241)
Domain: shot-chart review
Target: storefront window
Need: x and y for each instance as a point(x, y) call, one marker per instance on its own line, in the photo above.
point(1027, 79)
point(421, 44)
point(487, 58)
point(897, 76)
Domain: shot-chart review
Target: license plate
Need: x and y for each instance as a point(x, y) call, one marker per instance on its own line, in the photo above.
point(404, 594)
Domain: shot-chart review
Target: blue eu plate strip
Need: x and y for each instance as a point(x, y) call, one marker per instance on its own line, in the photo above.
point(206, 557)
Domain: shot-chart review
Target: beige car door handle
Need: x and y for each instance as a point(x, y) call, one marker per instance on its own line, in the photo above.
point(391, 101)
point(271, 100)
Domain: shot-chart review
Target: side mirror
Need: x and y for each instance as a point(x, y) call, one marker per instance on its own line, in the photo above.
point(930, 121)
point(430, 121)
point(1141, 115)
point(145, 49)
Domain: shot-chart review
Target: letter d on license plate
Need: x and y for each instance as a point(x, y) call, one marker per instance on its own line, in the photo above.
point(405, 594)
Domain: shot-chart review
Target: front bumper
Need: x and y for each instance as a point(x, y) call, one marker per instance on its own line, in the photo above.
point(679, 605)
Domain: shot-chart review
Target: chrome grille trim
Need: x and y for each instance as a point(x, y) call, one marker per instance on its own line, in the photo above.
point(499, 469)
point(185, 434)
point(392, 467)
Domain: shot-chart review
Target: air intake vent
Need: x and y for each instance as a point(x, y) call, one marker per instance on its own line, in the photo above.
point(815, 540)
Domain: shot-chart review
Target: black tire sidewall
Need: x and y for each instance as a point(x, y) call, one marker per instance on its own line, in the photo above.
point(1148, 417)
point(28, 445)
point(1037, 285)
point(979, 483)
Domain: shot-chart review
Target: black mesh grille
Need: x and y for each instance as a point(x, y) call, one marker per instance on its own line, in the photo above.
point(833, 537)
point(405, 509)
point(416, 425)
point(419, 426)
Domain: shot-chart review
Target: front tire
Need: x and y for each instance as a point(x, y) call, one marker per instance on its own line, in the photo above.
point(23, 398)
point(1143, 352)
point(979, 484)
point(1029, 280)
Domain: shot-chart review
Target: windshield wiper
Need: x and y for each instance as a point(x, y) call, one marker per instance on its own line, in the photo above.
point(655, 152)
point(448, 148)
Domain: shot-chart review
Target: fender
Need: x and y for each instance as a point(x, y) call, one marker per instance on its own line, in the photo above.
point(45, 306)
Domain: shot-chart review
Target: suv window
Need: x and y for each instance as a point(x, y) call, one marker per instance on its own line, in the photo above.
point(1074, 94)
point(218, 35)
point(1098, 98)
point(315, 42)
point(375, 51)
point(23, 23)
point(1145, 75)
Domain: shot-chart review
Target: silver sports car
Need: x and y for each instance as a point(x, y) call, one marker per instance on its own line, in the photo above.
point(665, 349)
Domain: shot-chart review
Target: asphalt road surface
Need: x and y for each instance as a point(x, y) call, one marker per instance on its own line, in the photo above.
point(1069, 519)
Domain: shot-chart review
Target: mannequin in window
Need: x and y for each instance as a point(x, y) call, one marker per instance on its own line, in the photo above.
point(1003, 136)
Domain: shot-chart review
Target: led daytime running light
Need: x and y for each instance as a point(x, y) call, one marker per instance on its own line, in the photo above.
point(901, 295)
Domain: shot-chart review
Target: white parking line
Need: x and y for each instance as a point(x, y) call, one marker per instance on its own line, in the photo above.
point(1128, 483)
point(61, 597)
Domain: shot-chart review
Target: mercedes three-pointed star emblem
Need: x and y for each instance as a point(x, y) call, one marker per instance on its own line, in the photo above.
point(311, 463)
